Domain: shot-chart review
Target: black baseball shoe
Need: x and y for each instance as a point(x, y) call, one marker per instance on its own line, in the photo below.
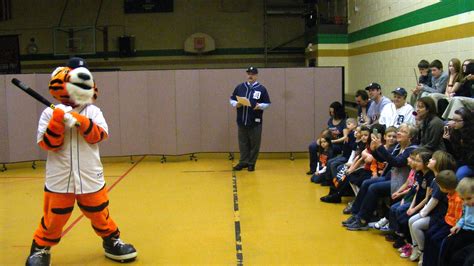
point(240, 167)
point(331, 198)
point(251, 168)
point(116, 249)
point(39, 255)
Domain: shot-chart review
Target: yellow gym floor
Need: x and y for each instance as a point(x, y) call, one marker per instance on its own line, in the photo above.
point(190, 212)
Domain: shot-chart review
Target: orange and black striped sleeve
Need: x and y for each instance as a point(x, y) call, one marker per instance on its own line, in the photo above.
point(91, 132)
point(53, 138)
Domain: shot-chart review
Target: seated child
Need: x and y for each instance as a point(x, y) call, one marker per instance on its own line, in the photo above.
point(398, 195)
point(412, 203)
point(313, 152)
point(325, 153)
point(349, 141)
point(438, 230)
point(340, 185)
point(434, 210)
point(462, 234)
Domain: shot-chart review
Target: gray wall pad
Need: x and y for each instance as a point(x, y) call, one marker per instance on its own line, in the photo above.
point(174, 112)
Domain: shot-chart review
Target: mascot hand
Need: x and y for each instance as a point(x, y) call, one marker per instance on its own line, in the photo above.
point(69, 120)
point(82, 121)
point(91, 132)
point(58, 115)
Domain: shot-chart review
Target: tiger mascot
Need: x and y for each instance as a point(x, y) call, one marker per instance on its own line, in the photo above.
point(71, 133)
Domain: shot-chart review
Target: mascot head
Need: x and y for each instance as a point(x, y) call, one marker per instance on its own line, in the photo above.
point(73, 84)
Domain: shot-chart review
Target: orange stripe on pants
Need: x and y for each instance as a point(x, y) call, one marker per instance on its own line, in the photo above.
point(55, 222)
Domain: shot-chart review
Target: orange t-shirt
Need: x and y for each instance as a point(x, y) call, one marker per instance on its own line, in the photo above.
point(454, 209)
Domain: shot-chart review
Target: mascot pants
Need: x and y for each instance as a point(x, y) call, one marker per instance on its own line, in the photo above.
point(58, 208)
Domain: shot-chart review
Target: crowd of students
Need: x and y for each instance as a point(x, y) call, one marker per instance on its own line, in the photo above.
point(409, 169)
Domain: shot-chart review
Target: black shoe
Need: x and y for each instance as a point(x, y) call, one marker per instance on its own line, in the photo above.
point(347, 209)
point(251, 168)
point(310, 172)
point(400, 242)
point(331, 198)
point(391, 237)
point(239, 167)
point(116, 249)
point(358, 225)
point(316, 179)
point(349, 220)
point(39, 255)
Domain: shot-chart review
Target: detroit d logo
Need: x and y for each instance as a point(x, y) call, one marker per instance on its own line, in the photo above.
point(256, 95)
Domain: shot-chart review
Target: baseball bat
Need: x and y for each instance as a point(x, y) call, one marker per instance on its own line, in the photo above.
point(32, 93)
point(416, 77)
point(38, 97)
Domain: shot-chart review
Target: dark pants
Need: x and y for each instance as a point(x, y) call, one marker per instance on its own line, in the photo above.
point(372, 190)
point(433, 239)
point(343, 189)
point(399, 218)
point(361, 195)
point(249, 144)
point(452, 245)
point(464, 257)
point(332, 165)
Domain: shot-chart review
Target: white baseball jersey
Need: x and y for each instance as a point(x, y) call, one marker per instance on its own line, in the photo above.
point(76, 166)
point(391, 116)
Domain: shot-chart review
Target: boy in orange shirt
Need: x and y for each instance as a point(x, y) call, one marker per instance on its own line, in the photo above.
point(437, 231)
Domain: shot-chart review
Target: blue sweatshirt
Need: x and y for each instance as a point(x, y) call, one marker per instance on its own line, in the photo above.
point(466, 222)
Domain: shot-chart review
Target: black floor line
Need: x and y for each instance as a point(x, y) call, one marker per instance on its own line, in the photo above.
point(238, 240)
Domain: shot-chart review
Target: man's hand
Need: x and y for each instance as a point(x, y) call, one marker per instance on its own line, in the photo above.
point(257, 107)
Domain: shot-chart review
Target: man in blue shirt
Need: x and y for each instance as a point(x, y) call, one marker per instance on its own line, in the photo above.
point(250, 118)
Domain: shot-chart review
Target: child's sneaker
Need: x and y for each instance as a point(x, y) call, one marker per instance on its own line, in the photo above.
point(116, 249)
point(415, 253)
point(381, 223)
point(407, 252)
point(39, 255)
point(372, 224)
point(404, 248)
point(385, 228)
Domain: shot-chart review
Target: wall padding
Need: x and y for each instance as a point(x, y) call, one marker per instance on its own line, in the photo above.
point(175, 112)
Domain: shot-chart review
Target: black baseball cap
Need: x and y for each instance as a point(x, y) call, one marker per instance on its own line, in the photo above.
point(400, 91)
point(252, 70)
point(373, 85)
point(75, 62)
